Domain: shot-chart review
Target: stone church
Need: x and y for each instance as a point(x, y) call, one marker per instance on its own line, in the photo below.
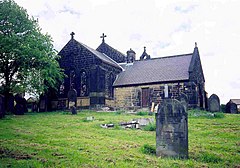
point(107, 77)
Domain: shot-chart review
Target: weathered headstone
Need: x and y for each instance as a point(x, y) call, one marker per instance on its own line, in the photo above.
point(172, 130)
point(2, 106)
point(10, 103)
point(183, 98)
point(72, 100)
point(34, 107)
point(21, 105)
point(214, 103)
point(231, 108)
point(42, 103)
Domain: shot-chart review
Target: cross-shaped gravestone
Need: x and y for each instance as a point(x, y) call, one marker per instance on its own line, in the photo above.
point(72, 35)
point(103, 36)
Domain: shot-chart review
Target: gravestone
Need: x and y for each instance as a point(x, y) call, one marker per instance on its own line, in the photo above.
point(42, 103)
point(2, 106)
point(10, 103)
point(72, 100)
point(183, 98)
point(172, 130)
point(231, 108)
point(34, 107)
point(21, 105)
point(214, 103)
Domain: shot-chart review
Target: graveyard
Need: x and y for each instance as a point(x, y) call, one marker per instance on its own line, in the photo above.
point(60, 139)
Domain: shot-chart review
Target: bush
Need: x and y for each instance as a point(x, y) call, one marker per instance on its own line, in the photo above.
point(142, 113)
point(150, 127)
point(148, 149)
point(119, 112)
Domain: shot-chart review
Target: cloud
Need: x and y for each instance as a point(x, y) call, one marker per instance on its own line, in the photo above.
point(186, 26)
point(164, 27)
point(186, 9)
point(69, 10)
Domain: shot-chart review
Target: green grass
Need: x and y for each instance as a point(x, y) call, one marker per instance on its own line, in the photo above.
point(58, 139)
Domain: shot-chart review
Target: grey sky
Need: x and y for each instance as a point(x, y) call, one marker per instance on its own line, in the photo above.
point(164, 27)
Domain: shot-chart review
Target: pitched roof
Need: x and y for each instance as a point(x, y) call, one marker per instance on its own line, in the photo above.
point(100, 55)
point(236, 101)
point(163, 69)
point(113, 53)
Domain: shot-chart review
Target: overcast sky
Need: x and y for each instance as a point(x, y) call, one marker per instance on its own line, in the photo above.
point(165, 27)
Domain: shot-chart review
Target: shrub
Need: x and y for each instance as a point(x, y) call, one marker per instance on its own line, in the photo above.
point(148, 149)
point(142, 113)
point(150, 127)
point(119, 112)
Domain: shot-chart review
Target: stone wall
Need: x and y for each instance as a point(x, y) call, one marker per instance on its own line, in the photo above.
point(129, 97)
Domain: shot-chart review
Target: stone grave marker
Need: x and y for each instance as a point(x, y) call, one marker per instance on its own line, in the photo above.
point(21, 105)
point(231, 108)
point(43, 103)
point(2, 106)
point(10, 103)
point(183, 98)
point(214, 103)
point(172, 130)
point(72, 100)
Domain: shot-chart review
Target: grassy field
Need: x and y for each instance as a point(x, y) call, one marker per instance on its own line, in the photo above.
point(58, 139)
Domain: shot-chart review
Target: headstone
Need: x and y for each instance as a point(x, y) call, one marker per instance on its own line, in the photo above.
point(172, 130)
point(231, 108)
point(2, 106)
point(72, 100)
point(214, 103)
point(183, 98)
point(42, 103)
point(72, 97)
point(34, 107)
point(10, 103)
point(21, 105)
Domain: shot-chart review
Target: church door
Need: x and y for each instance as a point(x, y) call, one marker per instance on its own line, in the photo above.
point(145, 97)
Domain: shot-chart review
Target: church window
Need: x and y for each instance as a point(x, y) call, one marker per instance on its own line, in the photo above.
point(61, 89)
point(83, 84)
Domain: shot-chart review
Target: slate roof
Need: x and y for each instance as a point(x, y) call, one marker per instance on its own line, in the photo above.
point(108, 50)
point(163, 69)
point(100, 55)
point(236, 101)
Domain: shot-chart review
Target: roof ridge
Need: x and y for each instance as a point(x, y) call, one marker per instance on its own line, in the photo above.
point(93, 50)
point(111, 48)
point(164, 57)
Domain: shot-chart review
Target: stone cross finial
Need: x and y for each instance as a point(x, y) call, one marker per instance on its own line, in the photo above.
point(144, 49)
point(195, 44)
point(72, 35)
point(103, 36)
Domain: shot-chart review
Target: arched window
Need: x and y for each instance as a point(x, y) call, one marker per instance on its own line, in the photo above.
point(111, 79)
point(62, 89)
point(83, 84)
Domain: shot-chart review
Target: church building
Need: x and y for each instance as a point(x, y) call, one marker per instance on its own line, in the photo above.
point(107, 77)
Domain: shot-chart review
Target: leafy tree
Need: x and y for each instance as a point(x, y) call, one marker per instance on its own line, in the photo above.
point(28, 61)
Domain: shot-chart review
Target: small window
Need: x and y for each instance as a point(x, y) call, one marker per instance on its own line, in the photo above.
point(83, 84)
